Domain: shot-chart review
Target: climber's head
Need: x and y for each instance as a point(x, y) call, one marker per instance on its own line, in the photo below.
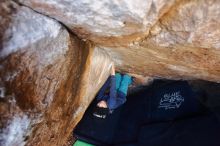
point(141, 80)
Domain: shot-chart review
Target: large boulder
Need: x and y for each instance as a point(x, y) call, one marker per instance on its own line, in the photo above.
point(171, 39)
point(48, 76)
point(45, 78)
point(190, 23)
point(184, 44)
point(112, 23)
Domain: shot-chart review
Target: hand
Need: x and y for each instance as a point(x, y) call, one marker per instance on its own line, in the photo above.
point(102, 104)
point(113, 69)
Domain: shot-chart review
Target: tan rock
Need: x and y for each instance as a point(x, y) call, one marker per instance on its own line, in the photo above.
point(47, 78)
point(190, 23)
point(178, 62)
point(183, 41)
point(112, 23)
point(184, 44)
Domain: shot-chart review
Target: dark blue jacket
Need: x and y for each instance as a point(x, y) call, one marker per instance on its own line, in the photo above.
point(109, 84)
point(114, 98)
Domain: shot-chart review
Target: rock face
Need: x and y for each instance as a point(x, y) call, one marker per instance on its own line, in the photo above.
point(184, 44)
point(43, 78)
point(178, 62)
point(107, 22)
point(190, 23)
point(171, 39)
point(48, 76)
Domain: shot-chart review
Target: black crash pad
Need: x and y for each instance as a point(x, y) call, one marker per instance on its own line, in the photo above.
point(153, 116)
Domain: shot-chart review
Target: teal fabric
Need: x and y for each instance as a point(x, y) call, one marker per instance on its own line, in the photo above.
point(81, 143)
point(126, 81)
point(118, 80)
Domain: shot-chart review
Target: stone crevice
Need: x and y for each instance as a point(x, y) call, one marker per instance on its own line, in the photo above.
point(55, 56)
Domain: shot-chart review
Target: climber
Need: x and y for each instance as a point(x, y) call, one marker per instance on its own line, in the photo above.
point(112, 94)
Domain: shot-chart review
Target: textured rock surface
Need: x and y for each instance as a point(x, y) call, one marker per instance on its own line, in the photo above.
point(41, 68)
point(98, 69)
point(113, 22)
point(184, 44)
point(190, 23)
point(48, 77)
point(174, 63)
point(182, 37)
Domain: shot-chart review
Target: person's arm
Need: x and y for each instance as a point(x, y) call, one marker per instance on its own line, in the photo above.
point(113, 92)
point(101, 92)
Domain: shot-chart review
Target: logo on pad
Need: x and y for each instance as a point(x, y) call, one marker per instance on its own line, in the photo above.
point(171, 100)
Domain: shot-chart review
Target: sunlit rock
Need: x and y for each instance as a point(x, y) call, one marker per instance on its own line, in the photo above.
point(163, 62)
point(48, 76)
point(107, 22)
point(191, 24)
point(41, 68)
point(184, 44)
